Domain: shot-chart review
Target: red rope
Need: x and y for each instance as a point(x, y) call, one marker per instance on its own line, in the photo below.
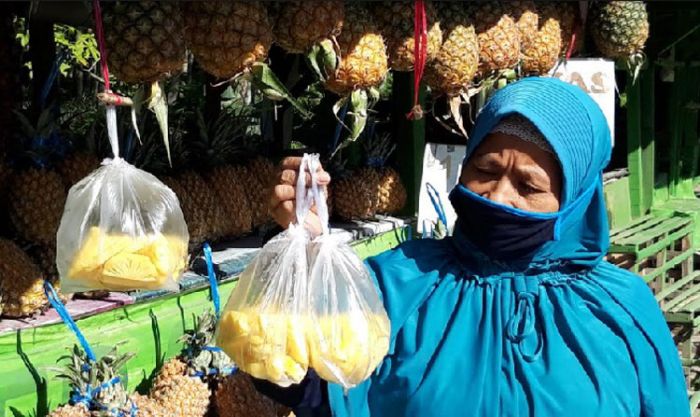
point(420, 52)
point(99, 33)
point(572, 44)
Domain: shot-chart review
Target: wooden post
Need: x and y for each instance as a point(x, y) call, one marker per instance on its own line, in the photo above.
point(410, 138)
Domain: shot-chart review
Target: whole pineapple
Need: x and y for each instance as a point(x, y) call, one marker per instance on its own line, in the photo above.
point(36, 193)
point(499, 39)
point(396, 18)
point(456, 63)
point(354, 195)
point(260, 173)
point(148, 407)
point(183, 385)
point(301, 24)
point(77, 166)
point(21, 282)
point(541, 51)
point(391, 193)
point(85, 374)
point(526, 17)
point(227, 182)
point(227, 37)
point(363, 60)
point(619, 28)
point(567, 14)
point(236, 396)
point(145, 40)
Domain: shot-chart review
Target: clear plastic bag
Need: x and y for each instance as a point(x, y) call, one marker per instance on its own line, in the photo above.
point(122, 229)
point(349, 332)
point(263, 326)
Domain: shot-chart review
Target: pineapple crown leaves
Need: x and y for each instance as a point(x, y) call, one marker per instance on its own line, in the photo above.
point(41, 142)
point(202, 359)
point(218, 141)
point(96, 383)
point(378, 149)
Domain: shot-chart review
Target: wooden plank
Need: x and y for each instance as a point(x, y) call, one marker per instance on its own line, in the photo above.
point(668, 265)
point(677, 286)
point(685, 232)
point(652, 232)
point(636, 226)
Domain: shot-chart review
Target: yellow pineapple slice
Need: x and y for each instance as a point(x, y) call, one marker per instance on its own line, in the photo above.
point(129, 271)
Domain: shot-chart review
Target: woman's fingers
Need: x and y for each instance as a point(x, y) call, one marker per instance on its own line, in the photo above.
point(289, 168)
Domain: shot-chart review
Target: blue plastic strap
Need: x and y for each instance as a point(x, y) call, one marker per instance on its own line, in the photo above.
point(53, 74)
point(437, 202)
point(65, 316)
point(213, 284)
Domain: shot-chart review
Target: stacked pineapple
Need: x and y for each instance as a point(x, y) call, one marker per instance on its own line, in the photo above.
point(498, 35)
point(21, 283)
point(540, 35)
point(227, 37)
point(375, 188)
point(396, 19)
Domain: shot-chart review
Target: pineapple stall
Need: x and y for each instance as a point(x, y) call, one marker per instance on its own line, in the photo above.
point(202, 100)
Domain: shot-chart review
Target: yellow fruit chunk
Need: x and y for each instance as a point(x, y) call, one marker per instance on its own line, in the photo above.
point(121, 262)
point(346, 348)
point(266, 345)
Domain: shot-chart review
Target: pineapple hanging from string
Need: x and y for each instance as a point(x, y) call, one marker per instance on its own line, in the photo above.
point(299, 25)
point(498, 35)
point(620, 29)
point(396, 18)
point(540, 48)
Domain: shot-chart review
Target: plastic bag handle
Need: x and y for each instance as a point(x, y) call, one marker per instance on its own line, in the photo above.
point(319, 195)
point(304, 197)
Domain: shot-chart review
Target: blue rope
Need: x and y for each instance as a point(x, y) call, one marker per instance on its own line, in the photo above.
point(65, 316)
point(437, 203)
point(53, 74)
point(213, 284)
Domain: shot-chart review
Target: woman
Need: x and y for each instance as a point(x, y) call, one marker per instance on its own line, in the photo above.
point(517, 314)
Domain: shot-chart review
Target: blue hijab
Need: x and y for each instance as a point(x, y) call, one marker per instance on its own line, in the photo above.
point(561, 332)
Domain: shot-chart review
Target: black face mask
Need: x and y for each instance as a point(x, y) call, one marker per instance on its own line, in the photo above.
point(501, 232)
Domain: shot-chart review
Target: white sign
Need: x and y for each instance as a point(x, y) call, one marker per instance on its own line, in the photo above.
point(442, 165)
point(597, 78)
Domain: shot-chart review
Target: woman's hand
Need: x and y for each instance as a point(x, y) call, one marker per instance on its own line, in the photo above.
point(283, 195)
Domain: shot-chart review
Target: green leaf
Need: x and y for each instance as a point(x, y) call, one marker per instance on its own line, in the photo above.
point(266, 81)
point(357, 113)
point(158, 104)
point(323, 59)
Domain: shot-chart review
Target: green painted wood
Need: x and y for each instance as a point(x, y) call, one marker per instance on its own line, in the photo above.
point(668, 265)
point(671, 289)
point(618, 204)
point(410, 136)
point(687, 206)
point(640, 142)
point(150, 329)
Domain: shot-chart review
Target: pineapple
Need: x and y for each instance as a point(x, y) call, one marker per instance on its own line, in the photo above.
point(567, 14)
point(236, 396)
point(457, 61)
point(84, 375)
point(36, 194)
point(524, 12)
point(178, 387)
point(301, 24)
point(227, 37)
point(145, 40)
point(226, 182)
point(77, 166)
point(216, 144)
point(205, 218)
point(499, 39)
point(396, 19)
point(21, 282)
point(260, 175)
point(375, 188)
point(36, 200)
point(541, 51)
point(78, 410)
point(363, 60)
point(619, 28)
point(148, 407)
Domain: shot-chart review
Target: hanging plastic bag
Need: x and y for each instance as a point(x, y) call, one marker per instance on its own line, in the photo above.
point(349, 329)
point(122, 229)
point(263, 326)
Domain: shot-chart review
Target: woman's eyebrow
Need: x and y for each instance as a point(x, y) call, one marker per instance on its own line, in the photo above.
point(534, 173)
